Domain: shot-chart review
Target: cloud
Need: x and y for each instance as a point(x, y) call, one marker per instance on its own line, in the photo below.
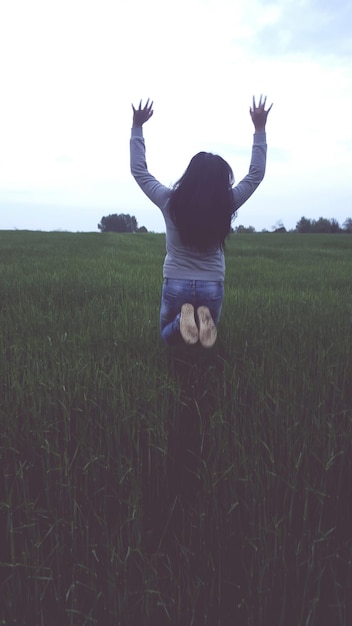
point(63, 159)
point(306, 27)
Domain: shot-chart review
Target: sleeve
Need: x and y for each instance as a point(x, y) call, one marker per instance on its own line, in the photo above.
point(256, 173)
point(156, 192)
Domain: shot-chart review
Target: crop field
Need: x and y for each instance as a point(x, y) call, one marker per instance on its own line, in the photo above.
point(147, 486)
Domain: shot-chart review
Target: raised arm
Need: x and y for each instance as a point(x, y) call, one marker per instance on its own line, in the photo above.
point(249, 183)
point(156, 192)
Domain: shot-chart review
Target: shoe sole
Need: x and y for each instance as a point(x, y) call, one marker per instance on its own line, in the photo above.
point(188, 327)
point(207, 329)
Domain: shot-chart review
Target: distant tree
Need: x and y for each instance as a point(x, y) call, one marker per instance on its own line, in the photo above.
point(322, 225)
point(304, 225)
point(281, 229)
point(142, 229)
point(122, 223)
point(347, 225)
point(244, 229)
point(334, 226)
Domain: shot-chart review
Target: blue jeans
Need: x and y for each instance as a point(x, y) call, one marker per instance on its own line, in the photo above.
point(177, 292)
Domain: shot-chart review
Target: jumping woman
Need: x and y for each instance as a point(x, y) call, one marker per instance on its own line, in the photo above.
point(198, 212)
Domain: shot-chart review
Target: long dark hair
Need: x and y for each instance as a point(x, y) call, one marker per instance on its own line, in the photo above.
point(201, 205)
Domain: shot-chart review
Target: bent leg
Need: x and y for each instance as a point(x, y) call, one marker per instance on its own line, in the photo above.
point(207, 327)
point(209, 297)
point(175, 293)
point(210, 294)
point(170, 333)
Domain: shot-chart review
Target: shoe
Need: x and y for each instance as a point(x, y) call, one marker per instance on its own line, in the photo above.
point(207, 328)
point(188, 326)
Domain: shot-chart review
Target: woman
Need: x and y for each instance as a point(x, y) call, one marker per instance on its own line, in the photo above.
point(197, 211)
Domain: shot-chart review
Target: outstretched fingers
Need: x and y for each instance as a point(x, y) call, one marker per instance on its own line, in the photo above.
point(148, 106)
point(143, 113)
point(260, 106)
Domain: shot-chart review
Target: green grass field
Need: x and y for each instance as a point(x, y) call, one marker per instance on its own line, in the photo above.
point(147, 486)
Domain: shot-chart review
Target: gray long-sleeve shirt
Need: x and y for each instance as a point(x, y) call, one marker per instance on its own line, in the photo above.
point(182, 262)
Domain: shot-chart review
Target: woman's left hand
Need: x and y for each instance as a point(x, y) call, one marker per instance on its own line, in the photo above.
point(142, 114)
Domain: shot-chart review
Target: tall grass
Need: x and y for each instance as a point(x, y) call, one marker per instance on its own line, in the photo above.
point(143, 485)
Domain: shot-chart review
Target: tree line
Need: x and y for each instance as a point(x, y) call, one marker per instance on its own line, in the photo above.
point(305, 225)
point(323, 225)
point(125, 223)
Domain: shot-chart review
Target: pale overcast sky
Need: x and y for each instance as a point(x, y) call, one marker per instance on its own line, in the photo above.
point(69, 70)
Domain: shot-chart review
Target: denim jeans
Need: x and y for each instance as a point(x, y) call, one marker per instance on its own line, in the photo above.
point(176, 292)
